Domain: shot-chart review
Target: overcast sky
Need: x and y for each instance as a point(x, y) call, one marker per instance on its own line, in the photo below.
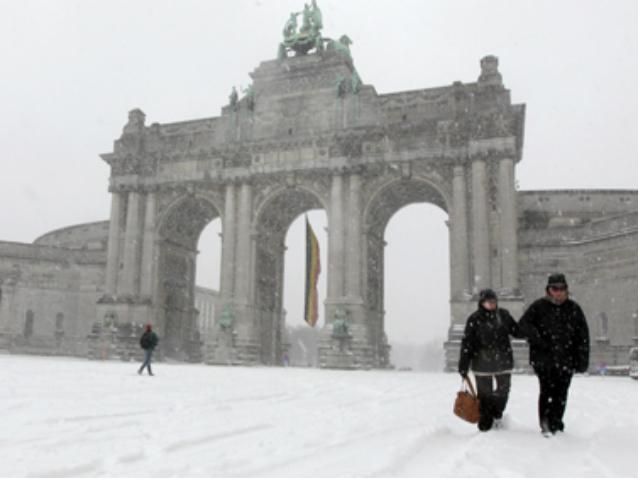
point(71, 70)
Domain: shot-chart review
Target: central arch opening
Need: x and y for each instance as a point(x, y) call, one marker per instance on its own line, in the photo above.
point(278, 228)
point(302, 339)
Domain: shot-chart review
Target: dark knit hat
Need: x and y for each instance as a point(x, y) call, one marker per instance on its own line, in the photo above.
point(557, 280)
point(487, 294)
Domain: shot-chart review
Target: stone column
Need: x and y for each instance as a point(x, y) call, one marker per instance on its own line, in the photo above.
point(252, 266)
point(228, 243)
point(5, 311)
point(113, 248)
point(148, 246)
point(278, 326)
point(459, 251)
point(243, 244)
point(132, 244)
point(481, 248)
point(336, 240)
point(354, 239)
point(508, 224)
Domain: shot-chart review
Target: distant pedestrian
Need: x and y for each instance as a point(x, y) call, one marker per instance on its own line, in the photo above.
point(486, 348)
point(148, 342)
point(558, 337)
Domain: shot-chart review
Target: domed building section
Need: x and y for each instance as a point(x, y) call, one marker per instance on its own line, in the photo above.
point(86, 236)
point(49, 289)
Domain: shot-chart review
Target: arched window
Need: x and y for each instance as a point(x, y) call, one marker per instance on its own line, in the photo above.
point(28, 323)
point(59, 322)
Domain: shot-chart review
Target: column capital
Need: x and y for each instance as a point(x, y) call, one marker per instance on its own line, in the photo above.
point(150, 189)
point(480, 158)
point(458, 170)
point(118, 189)
point(130, 188)
point(352, 169)
point(231, 181)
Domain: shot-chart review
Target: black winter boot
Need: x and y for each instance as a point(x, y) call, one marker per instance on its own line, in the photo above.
point(485, 423)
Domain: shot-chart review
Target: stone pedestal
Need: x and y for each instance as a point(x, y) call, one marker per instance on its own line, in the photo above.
point(117, 331)
point(221, 350)
point(353, 348)
point(237, 340)
point(337, 352)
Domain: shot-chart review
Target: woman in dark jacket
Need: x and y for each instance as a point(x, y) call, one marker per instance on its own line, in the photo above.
point(486, 348)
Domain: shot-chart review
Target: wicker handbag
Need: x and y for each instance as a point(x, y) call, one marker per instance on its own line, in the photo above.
point(467, 404)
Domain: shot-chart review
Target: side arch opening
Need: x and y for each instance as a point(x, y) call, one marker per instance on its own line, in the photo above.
point(175, 290)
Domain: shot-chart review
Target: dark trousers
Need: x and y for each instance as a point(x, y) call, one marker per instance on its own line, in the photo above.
point(554, 388)
point(492, 401)
point(147, 361)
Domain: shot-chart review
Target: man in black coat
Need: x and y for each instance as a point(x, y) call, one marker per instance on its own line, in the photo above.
point(486, 348)
point(148, 342)
point(558, 337)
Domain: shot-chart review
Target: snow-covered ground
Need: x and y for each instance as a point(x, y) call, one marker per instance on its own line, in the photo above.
point(72, 417)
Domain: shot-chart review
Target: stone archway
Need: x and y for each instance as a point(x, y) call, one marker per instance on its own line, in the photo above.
point(382, 205)
point(273, 219)
point(169, 277)
point(299, 141)
point(178, 232)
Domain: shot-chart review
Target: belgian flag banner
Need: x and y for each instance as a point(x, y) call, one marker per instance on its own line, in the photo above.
point(313, 271)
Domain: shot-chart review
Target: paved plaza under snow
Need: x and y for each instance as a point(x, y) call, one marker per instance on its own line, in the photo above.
point(73, 417)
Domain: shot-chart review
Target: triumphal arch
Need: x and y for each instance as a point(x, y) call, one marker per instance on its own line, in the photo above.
point(309, 134)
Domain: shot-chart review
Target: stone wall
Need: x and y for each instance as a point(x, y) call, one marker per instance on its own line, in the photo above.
point(57, 282)
point(48, 297)
point(592, 237)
